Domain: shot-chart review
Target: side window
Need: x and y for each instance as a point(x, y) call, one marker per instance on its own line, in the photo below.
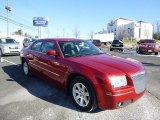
point(36, 46)
point(48, 46)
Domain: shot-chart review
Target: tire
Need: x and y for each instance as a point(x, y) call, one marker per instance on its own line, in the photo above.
point(26, 69)
point(111, 49)
point(1, 53)
point(121, 50)
point(139, 52)
point(156, 53)
point(83, 94)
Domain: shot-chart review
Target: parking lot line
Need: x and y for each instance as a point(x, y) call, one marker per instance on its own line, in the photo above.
point(9, 61)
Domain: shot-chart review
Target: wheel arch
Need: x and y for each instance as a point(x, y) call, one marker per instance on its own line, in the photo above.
point(72, 76)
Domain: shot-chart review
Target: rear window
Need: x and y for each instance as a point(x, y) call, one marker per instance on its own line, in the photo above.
point(96, 41)
point(117, 42)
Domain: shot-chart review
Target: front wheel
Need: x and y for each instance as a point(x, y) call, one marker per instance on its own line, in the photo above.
point(1, 53)
point(139, 52)
point(83, 94)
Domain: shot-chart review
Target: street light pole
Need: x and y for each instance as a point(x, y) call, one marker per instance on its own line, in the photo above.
point(8, 9)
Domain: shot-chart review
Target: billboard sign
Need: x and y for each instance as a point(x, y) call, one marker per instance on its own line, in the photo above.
point(40, 21)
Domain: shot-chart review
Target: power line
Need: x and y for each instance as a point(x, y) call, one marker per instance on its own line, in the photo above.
point(17, 23)
point(14, 16)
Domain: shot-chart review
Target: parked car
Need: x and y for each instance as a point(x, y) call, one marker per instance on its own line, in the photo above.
point(117, 45)
point(27, 42)
point(148, 46)
point(96, 42)
point(91, 77)
point(9, 46)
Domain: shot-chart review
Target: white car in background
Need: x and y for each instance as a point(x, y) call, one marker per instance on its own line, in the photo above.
point(9, 46)
point(27, 42)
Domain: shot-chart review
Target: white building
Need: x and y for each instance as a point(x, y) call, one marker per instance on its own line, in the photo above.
point(129, 29)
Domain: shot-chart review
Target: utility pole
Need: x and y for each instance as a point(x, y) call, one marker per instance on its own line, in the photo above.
point(8, 9)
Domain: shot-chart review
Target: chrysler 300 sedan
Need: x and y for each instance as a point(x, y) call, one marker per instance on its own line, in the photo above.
point(91, 77)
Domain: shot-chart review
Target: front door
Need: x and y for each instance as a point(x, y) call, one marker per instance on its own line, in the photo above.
point(51, 66)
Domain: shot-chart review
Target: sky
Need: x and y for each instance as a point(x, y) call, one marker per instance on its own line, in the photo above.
point(85, 15)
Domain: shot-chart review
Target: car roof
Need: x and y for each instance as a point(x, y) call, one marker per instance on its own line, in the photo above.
point(62, 39)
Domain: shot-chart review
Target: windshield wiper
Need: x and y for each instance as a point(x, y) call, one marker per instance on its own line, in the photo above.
point(98, 53)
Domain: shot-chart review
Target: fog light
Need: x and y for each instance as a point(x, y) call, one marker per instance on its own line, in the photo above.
point(119, 104)
point(124, 103)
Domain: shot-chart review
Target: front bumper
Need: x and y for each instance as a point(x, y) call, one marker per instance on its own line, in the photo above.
point(121, 99)
point(122, 96)
point(119, 48)
point(11, 51)
point(148, 51)
point(118, 98)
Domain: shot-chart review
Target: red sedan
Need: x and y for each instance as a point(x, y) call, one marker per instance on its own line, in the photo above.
point(91, 77)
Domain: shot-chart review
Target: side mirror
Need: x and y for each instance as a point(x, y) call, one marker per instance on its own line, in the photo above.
point(51, 52)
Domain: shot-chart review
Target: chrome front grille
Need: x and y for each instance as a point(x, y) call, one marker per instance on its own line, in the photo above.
point(139, 81)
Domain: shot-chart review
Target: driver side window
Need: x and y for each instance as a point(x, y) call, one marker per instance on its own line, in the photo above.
point(48, 46)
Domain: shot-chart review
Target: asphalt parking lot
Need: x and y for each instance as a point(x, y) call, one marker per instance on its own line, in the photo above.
point(23, 98)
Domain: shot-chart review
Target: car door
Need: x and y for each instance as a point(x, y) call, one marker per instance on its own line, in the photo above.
point(34, 56)
point(51, 66)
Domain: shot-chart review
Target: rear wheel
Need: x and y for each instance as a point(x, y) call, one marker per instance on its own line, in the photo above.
point(111, 49)
point(26, 69)
point(156, 53)
point(139, 52)
point(83, 94)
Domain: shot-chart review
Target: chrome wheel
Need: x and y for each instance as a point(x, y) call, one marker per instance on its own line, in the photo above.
point(81, 94)
point(25, 68)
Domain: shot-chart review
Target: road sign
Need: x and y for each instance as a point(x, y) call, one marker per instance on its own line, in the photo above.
point(40, 21)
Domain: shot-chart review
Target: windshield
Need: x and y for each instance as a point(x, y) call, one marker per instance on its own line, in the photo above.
point(148, 41)
point(7, 41)
point(117, 42)
point(78, 48)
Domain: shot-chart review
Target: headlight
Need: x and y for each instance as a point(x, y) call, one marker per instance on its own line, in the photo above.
point(118, 81)
point(5, 47)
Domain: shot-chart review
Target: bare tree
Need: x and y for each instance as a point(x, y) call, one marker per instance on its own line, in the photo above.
point(111, 23)
point(122, 33)
point(76, 32)
point(91, 34)
point(156, 34)
point(157, 27)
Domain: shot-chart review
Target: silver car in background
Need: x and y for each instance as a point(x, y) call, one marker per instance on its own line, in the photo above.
point(9, 46)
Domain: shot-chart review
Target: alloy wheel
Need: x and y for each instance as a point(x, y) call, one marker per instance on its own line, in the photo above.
point(25, 68)
point(81, 94)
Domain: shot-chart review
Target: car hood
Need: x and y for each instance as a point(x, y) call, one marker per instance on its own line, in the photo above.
point(109, 64)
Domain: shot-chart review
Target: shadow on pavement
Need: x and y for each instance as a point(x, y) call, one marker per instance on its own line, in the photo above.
point(150, 64)
point(40, 88)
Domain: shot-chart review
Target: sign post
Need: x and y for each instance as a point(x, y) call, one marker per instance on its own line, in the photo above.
point(40, 22)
